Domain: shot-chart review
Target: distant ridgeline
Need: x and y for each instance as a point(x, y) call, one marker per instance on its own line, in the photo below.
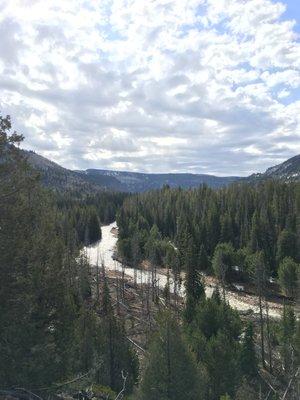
point(64, 334)
point(91, 180)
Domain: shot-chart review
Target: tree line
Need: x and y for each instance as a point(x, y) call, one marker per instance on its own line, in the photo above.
point(220, 229)
point(57, 322)
point(52, 328)
point(84, 213)
point(244, 232)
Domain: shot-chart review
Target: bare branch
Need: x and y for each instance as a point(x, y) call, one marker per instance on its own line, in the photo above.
point(121, 393)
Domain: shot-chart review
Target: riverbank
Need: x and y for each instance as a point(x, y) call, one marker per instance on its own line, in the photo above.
point(103, 253)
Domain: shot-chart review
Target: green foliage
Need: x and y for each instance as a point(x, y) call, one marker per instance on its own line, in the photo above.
point(214, 338)
point(38, 301)
point(50, 330)
point(115, 350)
point(286, 245)
point(221, 364)
point(104, 392)
point(288, 338)
point(246, 390)
point(226, 397)
point(253, 218)
point(170, 371)
point(193, 283)
point(212, 316)
point(297, 343)
point(248, 360)
point(288, 275)
point(203, 259)
point(81, 214)
point(223, 260)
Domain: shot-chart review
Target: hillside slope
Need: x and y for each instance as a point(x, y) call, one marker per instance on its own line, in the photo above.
point(141, 182)
point(57, 177)
point(288, 171)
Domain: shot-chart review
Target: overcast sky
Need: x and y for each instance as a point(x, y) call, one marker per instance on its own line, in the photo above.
point(209, 86)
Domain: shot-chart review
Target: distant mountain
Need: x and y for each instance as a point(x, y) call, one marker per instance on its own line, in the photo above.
point(141, 182)
point(59, 178)
point(55, 176)
point(90, 180)
point(288, 171)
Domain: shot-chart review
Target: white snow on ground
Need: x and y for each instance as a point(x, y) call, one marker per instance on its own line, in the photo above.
point(102, 253)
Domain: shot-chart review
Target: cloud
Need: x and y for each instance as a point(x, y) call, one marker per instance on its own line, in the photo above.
point(208, 86)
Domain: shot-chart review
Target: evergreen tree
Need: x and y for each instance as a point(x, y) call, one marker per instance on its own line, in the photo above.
point(286, 245)
point(94, 230)
point(193, 283)
point(115, 351)
point(203, 259)
point(255, 243)
point(85, 335)
point(170, 371)
point(38, 298)
point(259, 277)
point(227, 234)
point(221, 364)
point(222, 262)
point(288, 274)
point(248, 360)
point(286, 338)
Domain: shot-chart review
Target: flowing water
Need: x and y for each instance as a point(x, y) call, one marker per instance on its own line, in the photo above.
point(103, 253)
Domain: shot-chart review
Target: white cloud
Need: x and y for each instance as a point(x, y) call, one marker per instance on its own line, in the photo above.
point(164, 85)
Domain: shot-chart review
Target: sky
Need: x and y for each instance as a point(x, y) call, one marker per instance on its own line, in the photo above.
point(201, 86)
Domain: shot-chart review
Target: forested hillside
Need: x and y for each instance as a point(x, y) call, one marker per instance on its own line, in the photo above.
point(52, 327)
point(55, 177)
point(288, 171)
point(244, 233)
point(61, 179)
point(94, 180)
point(66, 326)
point(236, 221)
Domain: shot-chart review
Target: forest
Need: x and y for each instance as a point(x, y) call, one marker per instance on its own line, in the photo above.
point(61, 334)
point(220, 229)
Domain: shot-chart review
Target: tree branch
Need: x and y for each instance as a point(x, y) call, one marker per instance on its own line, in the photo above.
point(120, 395)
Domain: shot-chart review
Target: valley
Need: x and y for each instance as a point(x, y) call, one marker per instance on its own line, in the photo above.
point(102, 289)
point(103, 253)
point(150, 200)
point(93, 180)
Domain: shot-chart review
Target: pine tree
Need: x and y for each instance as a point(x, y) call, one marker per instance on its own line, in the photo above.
point(288, 275)
point(248, 360)
point(193, 283)
point(259, 277)
point(170, 372)
point(222, 367)
point(222, 261)
point(286, 245)
point(115, 351)
point(203, 259)
point(38, 274)
point(255, 235)
point(94, 230)
point(287, 335)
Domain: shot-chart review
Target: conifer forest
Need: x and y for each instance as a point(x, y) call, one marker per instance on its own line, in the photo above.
point(72, 328)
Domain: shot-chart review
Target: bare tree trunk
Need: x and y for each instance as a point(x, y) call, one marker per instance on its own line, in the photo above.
point(262, 331)
point(168, 362)
point(269, 339)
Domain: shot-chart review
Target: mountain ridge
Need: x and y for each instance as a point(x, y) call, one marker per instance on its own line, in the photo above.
point(287, 171)
point(55, 176)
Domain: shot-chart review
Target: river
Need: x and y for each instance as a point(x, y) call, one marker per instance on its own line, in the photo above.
point(102, 253)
